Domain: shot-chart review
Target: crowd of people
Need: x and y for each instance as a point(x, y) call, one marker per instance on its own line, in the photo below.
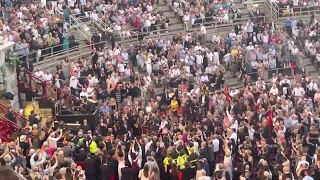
point(192, 13)
point(198, 128)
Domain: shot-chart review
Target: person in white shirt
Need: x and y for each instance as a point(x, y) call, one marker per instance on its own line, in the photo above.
point(232, 34)
point(203, 33)
point(84, 95)
point(265, 38)
point(298, 93)
point(254, 65)
point(116, 51)
point(227, 60)
point(197, 47)
point(250, 47)
point(52, 141)
point(204, 78)
point(117, 27)
point(73, 83)
point(39, 73)
point(216, 144)
point(285, 81)
point(274, 90)
point(163, 126)
point(48, 76)
point(90, 91)
point(234, 92)
point(199, 60)
point(312, 88)
point(209, 56)
point(294, 51)
point(307, 47)
point(121, 68)
point(175, 72)
point(195, 90)
point(216, 39)
point(186, 20)
point(94, 15)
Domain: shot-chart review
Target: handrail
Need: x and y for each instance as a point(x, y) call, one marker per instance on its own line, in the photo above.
point(14, 125)
point(45, 84)
point(249, 5)
point(20, 119)
point(285, 71)
point(6, 129)
point(79, 25)
point(54, 54)
point(300, 13)
point(273, 9)
point(97, 23)
point(222, 25)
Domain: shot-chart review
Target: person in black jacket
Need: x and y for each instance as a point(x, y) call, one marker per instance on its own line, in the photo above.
point(106, 169)
point(33, 119)
point(90, 168)
point(81, 156)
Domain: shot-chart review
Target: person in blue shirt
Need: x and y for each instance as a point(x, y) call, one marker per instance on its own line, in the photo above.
point(288, 24)
point(104, 108)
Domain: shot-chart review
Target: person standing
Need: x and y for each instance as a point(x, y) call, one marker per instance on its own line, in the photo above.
point(90, 168)
point(203, 33)
point(54, 4)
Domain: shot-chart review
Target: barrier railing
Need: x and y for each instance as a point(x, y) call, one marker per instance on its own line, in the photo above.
point(53, 53)
point(300, 12)
point(266, 75)
point(19, 119)
point(211, 24)
point(99, 23)
point(249, 4)
point(80, 26)
point(7, 127)
point(29, 81)
point(273, 9)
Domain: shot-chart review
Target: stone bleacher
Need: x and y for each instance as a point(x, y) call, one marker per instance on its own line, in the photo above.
point(177, 28)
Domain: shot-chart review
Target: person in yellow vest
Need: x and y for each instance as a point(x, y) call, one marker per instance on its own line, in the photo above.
point(174, 105)
point(193, 157)
point(167, 162)
point(182, 159)
point(174, 154)
point(93, 145)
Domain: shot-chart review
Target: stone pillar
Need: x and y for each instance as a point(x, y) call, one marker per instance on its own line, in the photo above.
point(9, 83)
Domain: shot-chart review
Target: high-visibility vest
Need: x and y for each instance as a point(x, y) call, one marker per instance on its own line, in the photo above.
point(181, 160)
point(194, 159)
point(80, 141)
point(93, 147)
point(166, 161)
point(188, 149)
point(175, 159)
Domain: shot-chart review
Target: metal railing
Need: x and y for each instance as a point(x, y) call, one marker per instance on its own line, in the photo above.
point(299, 12)
point(87, 18)
point(45, 89)
point(268, 74)
point(80, 26)
point(19, 120)
point(53, 53)
point(211, 24)
point(273, 9)
point(250, 5)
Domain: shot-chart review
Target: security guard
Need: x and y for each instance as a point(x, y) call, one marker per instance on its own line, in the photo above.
point(193, 157)
point(174, 155)
point(182, 159)
point(166, 163)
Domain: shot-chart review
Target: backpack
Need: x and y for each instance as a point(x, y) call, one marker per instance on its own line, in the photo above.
point(134, 166)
